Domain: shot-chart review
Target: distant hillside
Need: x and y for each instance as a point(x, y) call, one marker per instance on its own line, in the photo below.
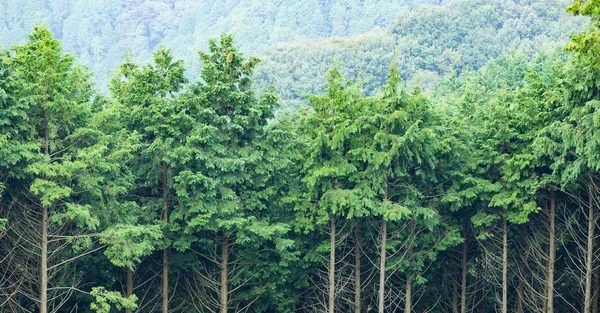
point(101, 31)
point(428, 42)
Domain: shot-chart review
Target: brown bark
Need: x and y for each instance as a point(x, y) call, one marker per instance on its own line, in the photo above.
point(357, 282)
point(382, 260)
point(44, 261)
point(455, 288)
point(590, 251)
point(223, 296)
point(165, 269)
point(504, 265)
point(408, 304)
point(44, 239)
point(331, 281)
point(520, 295)
point(596, 288)
point(129, 287)
point(551, 254)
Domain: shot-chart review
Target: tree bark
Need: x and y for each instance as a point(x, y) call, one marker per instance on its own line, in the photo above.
point(520, 295)
point(551, 254)
point(455, 287)
point(44, 261)
point(382, 260)
point(357, 282)
point(331, 281)
point(504, 265)
point(463, 295)
point(408, 304)
point(165, 269)
point(596, 287)
point(590, 250)
point(224, 274)
point(44, 238)
point(129, 287)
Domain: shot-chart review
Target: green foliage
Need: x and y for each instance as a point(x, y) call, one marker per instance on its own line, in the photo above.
point(127, 244)
point(104, 300)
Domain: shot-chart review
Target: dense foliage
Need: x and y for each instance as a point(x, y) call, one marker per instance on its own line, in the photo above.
point(201, 195)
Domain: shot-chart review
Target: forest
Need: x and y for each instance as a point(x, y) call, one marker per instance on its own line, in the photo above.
point(176, 192)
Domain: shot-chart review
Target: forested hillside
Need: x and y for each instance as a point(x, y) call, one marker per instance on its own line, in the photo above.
point(430, 38)
point(101, 33)
point(427, 42)
point(170, 193)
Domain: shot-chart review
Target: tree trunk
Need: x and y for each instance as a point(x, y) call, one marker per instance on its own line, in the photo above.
point(596, 287)
point(165, 269)
point(520, 295)
point(129, 287)
point(551, 254)
point(455, 288)
point(463, 295)
point(224, 274)
point(357, 283)
point(44, 238)
point(44, 261)
point(504, 265)
point(590, 250)
point(408, 304)
point(331, 281)
point(382, 260)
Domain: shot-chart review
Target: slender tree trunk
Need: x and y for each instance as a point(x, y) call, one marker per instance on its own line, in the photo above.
point(455, 287)
point(520, 295)
point(44, 261)
point(504, 265)
point(357, 283)
point(44, 238)
point(382, 260)
point(331, 287)
point(551, 254)
point(224, 274)
point(408, 304)
point(590, 250)
point(129, 287)
point(482, 290)
point(463, 295)
point(165, 269)
point(596, 287)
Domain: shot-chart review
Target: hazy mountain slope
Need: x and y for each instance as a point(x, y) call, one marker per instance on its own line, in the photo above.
point(428, 42)
point(101, 31)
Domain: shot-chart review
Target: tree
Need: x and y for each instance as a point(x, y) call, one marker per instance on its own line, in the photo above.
point(228, 162)
point(147, 105)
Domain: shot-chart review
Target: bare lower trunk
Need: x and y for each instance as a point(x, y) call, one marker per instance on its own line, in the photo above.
point(596, 287)
point(331, 281)
point(504, 265)
point(463, 295)
point(551, 254)
point(455, 288)
point(44, 261)
point(165, 269)
point(520, 295)
point(357, 283)
point(408, 304)
point(129, 287)
point(44, 239)
point(382, 260)
point(590, 252)
point(223, 296)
